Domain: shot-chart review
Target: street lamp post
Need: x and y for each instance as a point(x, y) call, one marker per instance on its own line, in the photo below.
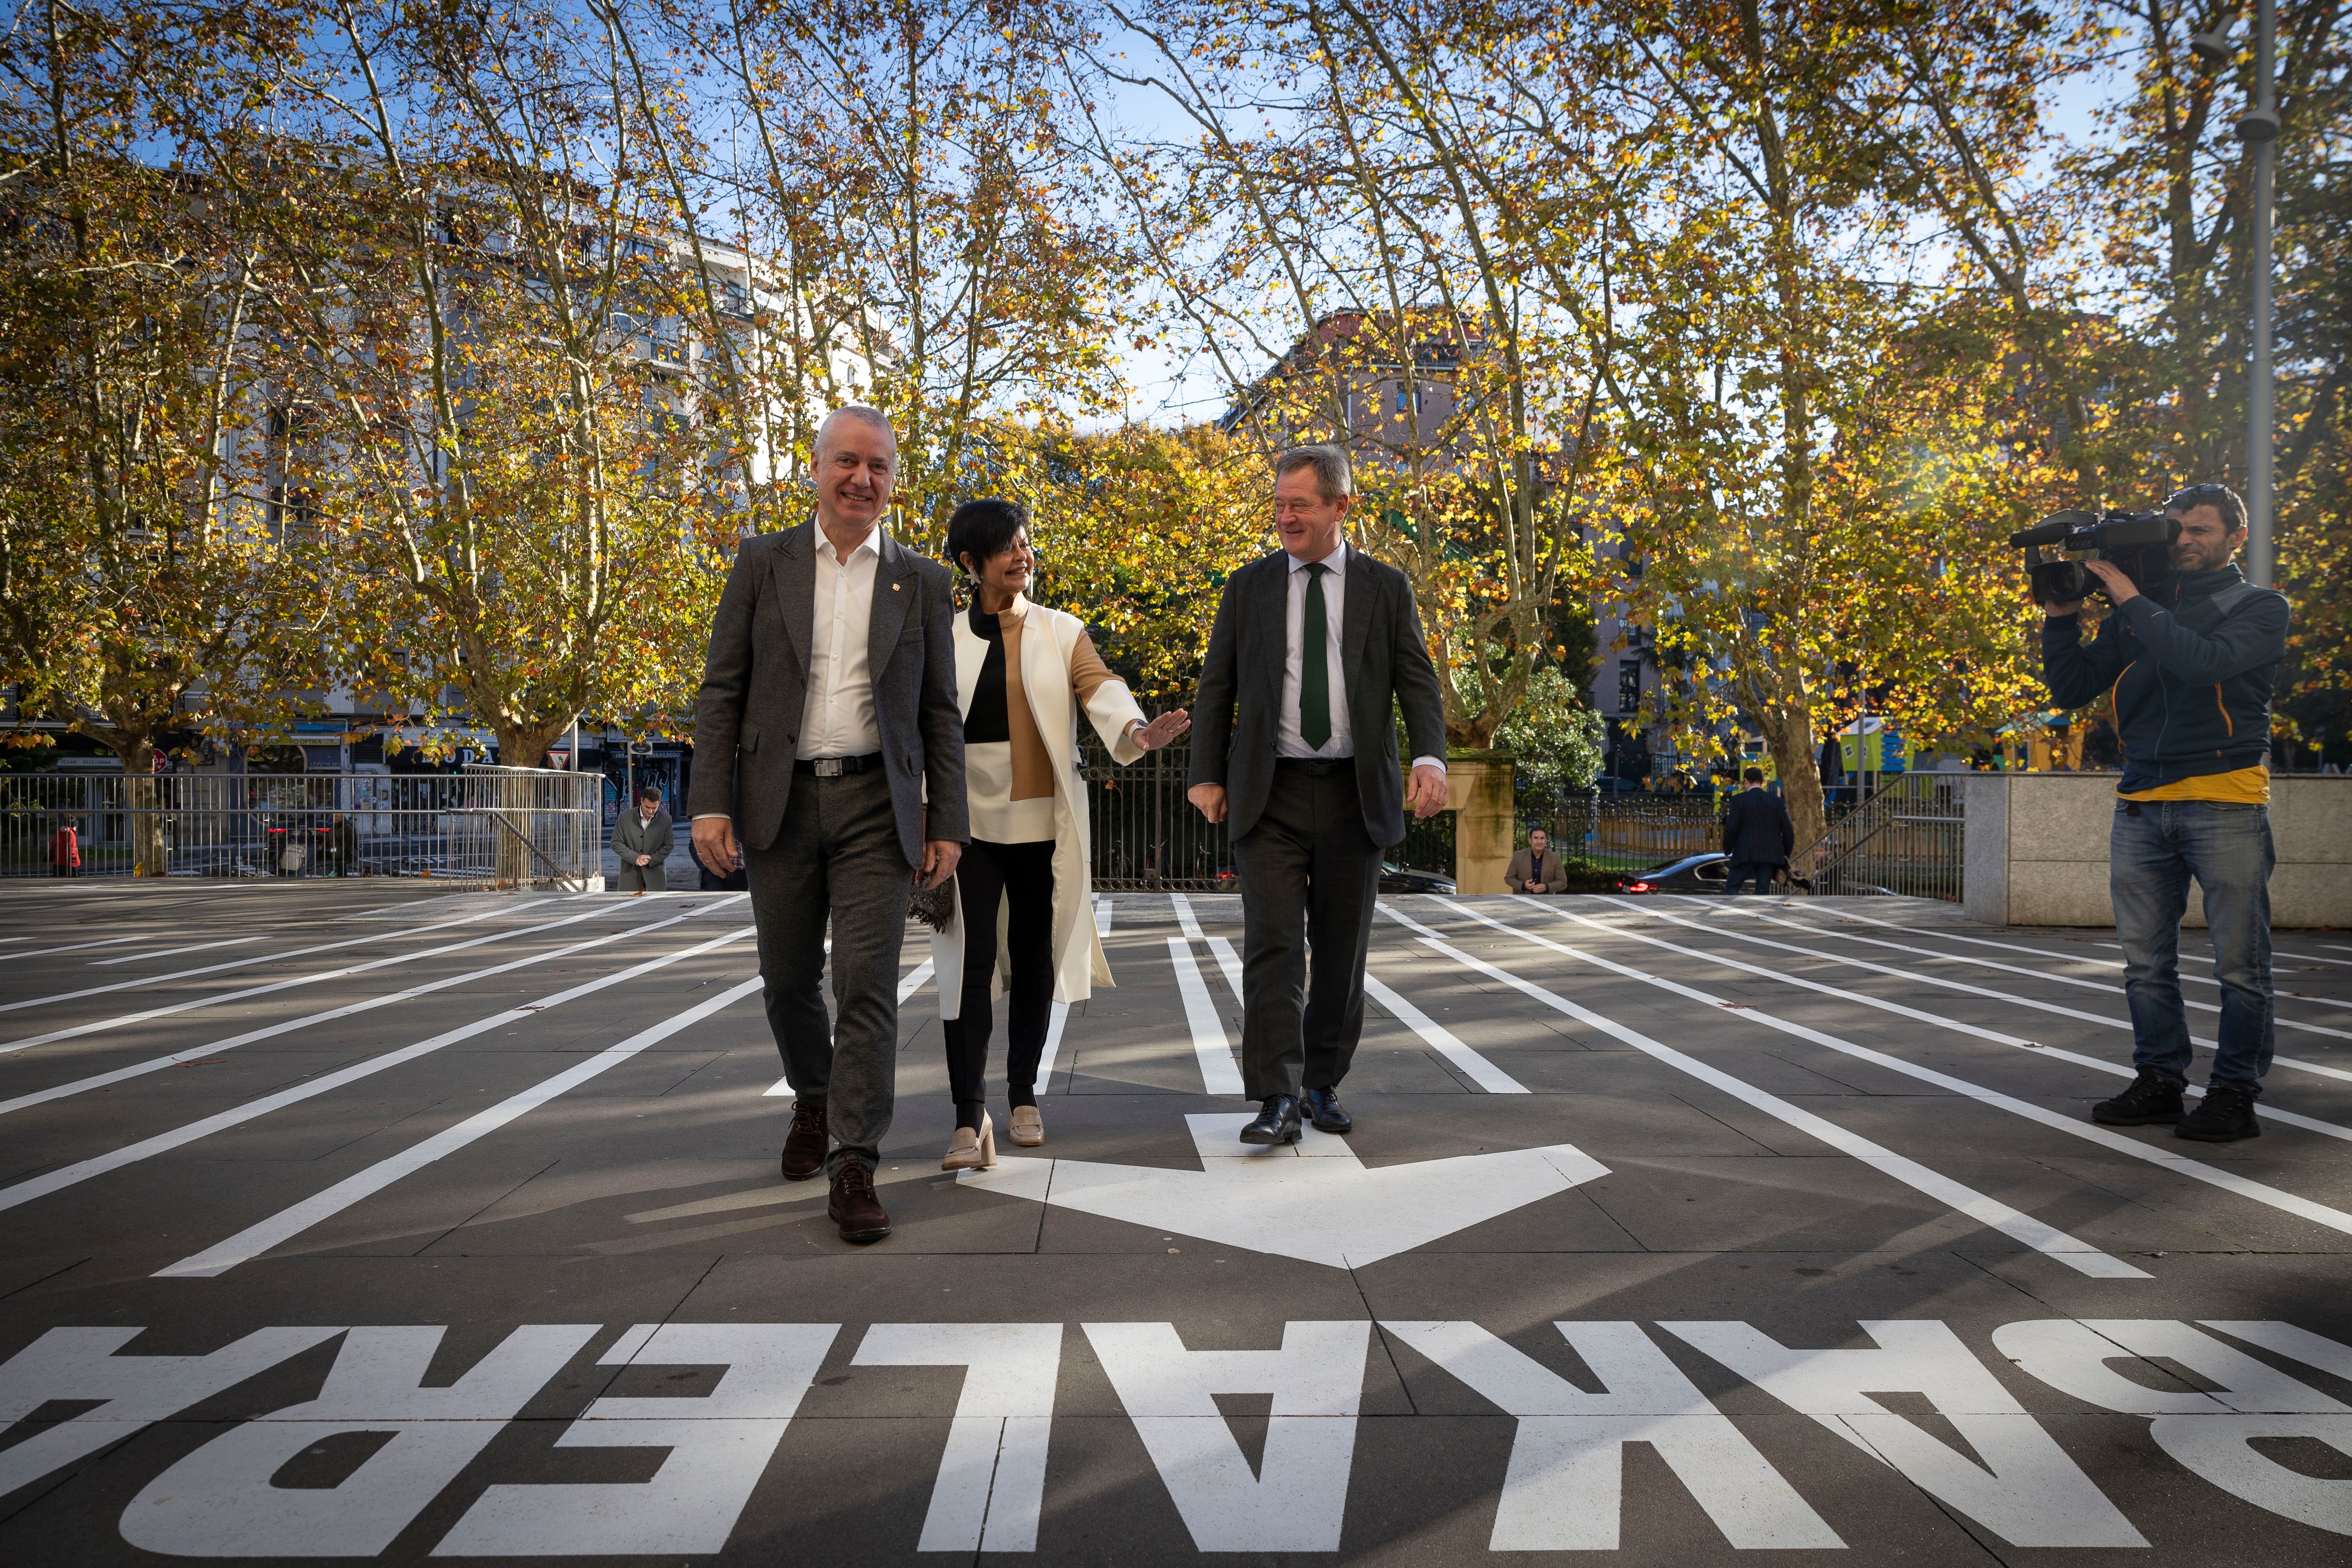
point(2259, 129)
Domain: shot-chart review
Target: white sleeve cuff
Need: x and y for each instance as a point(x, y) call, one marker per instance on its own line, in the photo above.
point(707, 816)
point(1437, 762)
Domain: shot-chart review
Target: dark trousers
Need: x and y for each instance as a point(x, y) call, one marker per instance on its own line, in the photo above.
point(837, 853)
point(1309, 875)
point(1763, 871)
point(1021, 876)
point(648, 879)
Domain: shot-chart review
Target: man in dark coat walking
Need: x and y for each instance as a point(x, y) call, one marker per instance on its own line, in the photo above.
point(1756, 835)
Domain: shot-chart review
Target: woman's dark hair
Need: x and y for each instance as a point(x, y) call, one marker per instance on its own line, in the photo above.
point(983, 530)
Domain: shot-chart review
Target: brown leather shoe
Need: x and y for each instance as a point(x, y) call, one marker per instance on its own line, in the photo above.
point(804, 1144)
point(853, 1206)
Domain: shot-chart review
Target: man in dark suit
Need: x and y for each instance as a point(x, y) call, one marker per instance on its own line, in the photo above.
point(1756, 835)
point(829, 750)
point(1536, 870)
point(641, 842)
point(1294, 745)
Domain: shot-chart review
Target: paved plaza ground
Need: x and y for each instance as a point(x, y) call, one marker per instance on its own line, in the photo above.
point(362, 1222)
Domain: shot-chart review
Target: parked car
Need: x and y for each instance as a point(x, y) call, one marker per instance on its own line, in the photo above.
point(1405, 879)
point(1692, 874)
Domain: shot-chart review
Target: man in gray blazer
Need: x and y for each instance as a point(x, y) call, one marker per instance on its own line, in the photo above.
point(641, 842)
point(1294, 745)
point(828, 719)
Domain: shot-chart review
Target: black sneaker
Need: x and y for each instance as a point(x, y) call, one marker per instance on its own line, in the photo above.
point(2152, 1098)
point(2225, 1115)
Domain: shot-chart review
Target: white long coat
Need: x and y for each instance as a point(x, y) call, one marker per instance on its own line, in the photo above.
point(1047, 639)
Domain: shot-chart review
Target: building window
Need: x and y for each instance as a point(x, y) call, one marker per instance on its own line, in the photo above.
point(1407, 402)
point(1629, 685)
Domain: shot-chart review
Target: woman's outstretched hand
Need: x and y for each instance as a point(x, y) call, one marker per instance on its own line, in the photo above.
point(1163, 730)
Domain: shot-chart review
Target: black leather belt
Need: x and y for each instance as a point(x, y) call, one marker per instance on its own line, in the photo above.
point(1316, 767)
point(835, 767)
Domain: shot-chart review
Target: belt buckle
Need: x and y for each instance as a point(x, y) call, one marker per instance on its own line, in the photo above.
point(828, 767)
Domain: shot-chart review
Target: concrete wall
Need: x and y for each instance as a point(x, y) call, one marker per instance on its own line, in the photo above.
point(2037, 849)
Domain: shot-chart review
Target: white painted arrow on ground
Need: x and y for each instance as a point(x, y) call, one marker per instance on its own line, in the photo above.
point(1313, 1201)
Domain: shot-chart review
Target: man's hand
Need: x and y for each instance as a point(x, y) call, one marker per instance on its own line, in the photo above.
point(645, 859)
point(716, 846)
point(1210, 798)
point(2060, 611)
point(1426, 794)
point(1534, 886)
point(2119, 587)
point(940, 857)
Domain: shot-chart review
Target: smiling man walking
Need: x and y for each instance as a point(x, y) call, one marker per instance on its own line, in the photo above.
point(829, 701)
point(1294, 743)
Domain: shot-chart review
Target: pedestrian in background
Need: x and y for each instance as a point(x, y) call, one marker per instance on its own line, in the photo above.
point(342, 845)
point(641, 840)
point(1024, 674)
point(1536, 870)
point(1756, 835)
point(65, 851)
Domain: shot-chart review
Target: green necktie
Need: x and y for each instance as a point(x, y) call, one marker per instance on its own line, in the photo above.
point(1314, 671)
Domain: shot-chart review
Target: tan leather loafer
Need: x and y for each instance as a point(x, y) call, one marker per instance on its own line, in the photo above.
point(970, 1150)
point(1028, 1127)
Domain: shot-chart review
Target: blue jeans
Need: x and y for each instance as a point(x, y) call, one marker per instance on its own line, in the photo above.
point(2153, 850)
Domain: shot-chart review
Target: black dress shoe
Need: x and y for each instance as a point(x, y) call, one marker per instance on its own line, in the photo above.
point(1323, 1110)
point(1278, 1121)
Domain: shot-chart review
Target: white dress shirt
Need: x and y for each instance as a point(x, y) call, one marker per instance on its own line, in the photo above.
point(1287, 741)
point(837, 717)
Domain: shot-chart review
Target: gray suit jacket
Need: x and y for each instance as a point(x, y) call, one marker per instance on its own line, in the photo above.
point(1237, 711)
point(755, 682)
point(633, 835)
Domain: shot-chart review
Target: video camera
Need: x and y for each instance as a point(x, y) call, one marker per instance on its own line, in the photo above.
point(2140, 543)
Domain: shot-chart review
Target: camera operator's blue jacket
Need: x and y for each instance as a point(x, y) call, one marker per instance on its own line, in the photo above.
point(2191, 667)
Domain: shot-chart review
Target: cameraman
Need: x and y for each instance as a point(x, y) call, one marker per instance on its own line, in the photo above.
point(2190, 664)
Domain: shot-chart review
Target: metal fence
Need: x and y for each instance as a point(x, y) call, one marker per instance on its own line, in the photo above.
point(485, 826)
point(1910, 838)
point(1639, 832)
point(1146, 836)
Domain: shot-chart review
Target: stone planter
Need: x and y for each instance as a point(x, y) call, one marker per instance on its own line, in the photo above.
point(1478, 791)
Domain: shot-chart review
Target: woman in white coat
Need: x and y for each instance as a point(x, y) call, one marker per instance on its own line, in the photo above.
point(1024, 906)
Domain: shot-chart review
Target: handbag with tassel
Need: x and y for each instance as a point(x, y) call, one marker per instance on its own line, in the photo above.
point(935, 907)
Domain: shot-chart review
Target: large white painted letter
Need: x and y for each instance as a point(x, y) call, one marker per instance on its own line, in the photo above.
point(2211, 1435)
point(2027, 1491)
point(1564, 1487)
point(2071, 1355)
point(991, 1482)
point(718, 1446)
point(219, 1502)
point(82, 1363)
point(1298, 1498)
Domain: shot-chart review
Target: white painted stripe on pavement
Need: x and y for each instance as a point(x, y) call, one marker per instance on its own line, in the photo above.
point(2010, 947)
point(2115, 991)
point(175, 951)
point(1482, 1072)
point(783, 1086)
point(289, 1223)
point(1222, 951)
point(1184, 920)
point(262, 958)
point(1059, 1018)
point(79, 947)
point(1218, 1073)
point(2289, 1118)
point(179, 1137)
point(2090, 1132)
point(125, 1019)
point(1990, 1211)
point(157, 1064)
